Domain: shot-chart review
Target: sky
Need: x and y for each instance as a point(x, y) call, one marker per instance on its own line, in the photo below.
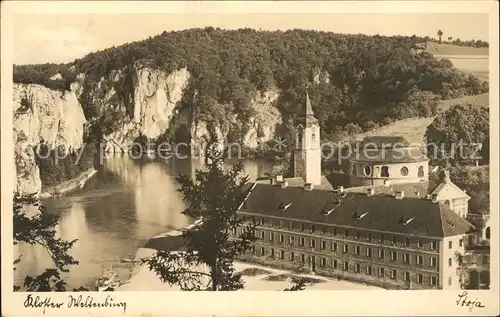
point(62, 38)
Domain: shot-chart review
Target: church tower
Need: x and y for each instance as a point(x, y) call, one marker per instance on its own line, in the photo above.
point(307, 152)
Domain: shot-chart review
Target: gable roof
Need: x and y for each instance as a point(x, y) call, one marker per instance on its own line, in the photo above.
point(444, 187)
point(383, 213)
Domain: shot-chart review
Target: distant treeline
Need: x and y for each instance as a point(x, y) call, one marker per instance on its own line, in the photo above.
point(357, 81)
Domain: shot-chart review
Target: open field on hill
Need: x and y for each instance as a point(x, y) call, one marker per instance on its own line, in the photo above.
point(450, 49)
point(413, 129)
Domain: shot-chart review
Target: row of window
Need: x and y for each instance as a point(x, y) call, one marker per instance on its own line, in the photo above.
point(356, 268)
point(384, 171)
point(368, 236)
point(368, 252)
point(312, 242)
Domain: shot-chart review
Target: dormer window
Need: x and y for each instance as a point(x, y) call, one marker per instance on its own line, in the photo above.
point(284, 207)
point(359, 215)
point(405, 220)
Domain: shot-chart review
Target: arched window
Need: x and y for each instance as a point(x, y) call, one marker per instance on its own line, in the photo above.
point(368, 170)
point(300, 136)
point(420, 171)
point(313, 138)
point(354, 169)
point(404, 171)
point(447, 202)
point(487, 233)
point(385, 171)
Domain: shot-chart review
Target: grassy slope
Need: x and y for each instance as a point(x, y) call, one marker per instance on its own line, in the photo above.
point(414, 129)
point(450, 49)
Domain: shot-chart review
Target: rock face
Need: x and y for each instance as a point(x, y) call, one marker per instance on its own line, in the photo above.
point(58, 118)
point(42, 114)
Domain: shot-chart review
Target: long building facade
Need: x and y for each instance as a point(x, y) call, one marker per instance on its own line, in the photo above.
point(380, 235)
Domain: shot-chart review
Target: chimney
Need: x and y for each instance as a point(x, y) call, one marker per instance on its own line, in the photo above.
point(279, 178)
point(340, 189)
point(399, 194)
point(370, 192)
point(309, 187)
point(284, 184)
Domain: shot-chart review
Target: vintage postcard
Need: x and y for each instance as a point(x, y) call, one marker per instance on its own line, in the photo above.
point(252, 158)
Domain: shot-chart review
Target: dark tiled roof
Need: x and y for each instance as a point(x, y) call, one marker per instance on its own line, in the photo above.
point(387, 149)
point(384, 213)
point(299, 182)
point(410, 189)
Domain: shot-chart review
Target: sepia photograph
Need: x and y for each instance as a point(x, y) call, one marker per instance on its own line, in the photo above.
point(209, 150)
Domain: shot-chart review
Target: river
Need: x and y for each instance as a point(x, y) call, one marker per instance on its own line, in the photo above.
point(115, 213)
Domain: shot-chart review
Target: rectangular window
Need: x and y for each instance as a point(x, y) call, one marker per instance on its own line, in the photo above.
point(381, 238)
point(234, 231)
point(357, 250)
point(369, 270)
point(291, 225)
point(406, 276)
point(406, 258)
point(324, 230)
point(433, 280)
point(334, 246)
point(281, 224)
point(450, 244)
point(369, 236)
point(407, 242)
point(394, 240)
point(346, 233)
point(460, 243)
point(301, 241)
point(312, 243)
point(450, 262)
point(292, 256)
point(381, 253)
point(271, 236)
point(312, 228)
point(323, 244)
point(262, 235)
point(434, 245)
point(346, 266)
point(433, 262)
point(302, 227)
point(334, 231)
point(381, 272)
point(394, 274)
point(262, 251)
point(282, 238)
point(420, 260)
point(450, 281)
point(419, 243)
point(282, 254)
point(272, 252)
point(420, 278)
point(357, 268)
point(369, 252)
point(394, 256)
point(323, 261)
point(253, 249)
point(242, 231)
point(358, 235)
point(291, 239)
point(302, 258)
point(346, 248)
point(334, 264)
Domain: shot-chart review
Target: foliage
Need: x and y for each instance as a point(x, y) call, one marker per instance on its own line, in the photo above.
point(458, 133)
point(364, 78)
point(59, 164)
point(39, 229)
point(463, 271)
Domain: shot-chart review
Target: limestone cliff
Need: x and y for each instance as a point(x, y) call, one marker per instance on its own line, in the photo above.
point(41, 114)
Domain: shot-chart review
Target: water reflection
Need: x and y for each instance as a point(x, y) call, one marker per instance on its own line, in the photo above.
point(117, 211)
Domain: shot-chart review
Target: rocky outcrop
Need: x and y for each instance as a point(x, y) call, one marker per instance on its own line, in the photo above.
point(43, 115)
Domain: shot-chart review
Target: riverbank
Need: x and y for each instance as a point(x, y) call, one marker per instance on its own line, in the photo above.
point(256, 277)
point(69, 185)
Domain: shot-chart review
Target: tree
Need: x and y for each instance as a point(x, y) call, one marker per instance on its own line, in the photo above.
point(458, 133)
point(38, 229)
point(440, 34)
point(213, 198)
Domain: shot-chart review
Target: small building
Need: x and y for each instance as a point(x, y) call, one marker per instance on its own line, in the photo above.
point(380, 159)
